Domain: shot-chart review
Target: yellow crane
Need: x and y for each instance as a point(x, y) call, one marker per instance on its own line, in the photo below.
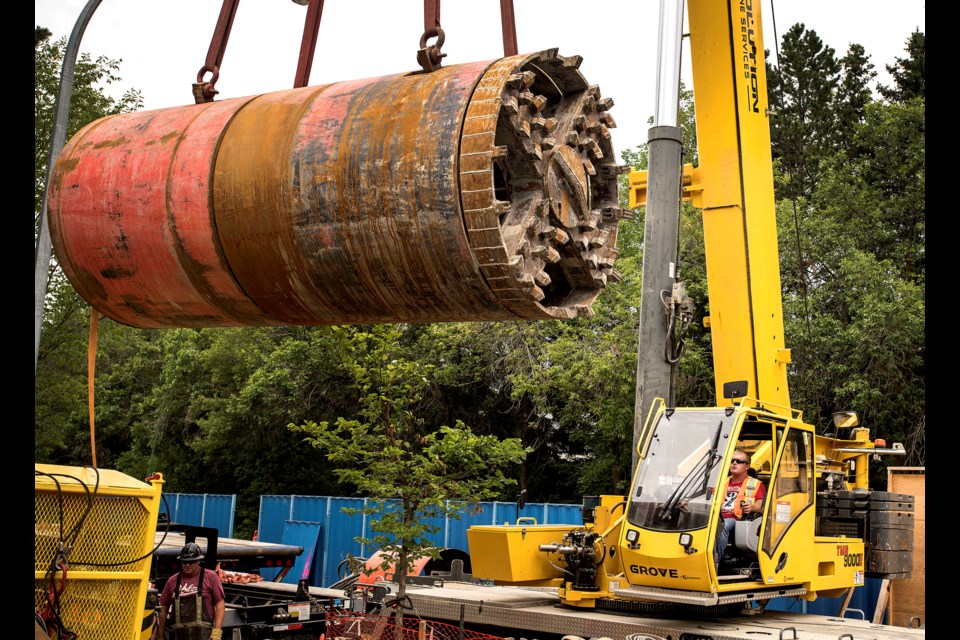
point(657, 543)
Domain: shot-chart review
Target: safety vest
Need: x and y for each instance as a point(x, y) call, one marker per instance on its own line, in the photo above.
point(748, 491)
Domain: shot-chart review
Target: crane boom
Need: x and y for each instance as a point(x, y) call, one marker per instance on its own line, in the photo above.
point(739, 219)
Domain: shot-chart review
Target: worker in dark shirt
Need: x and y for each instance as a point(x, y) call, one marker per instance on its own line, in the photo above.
point(192, 602)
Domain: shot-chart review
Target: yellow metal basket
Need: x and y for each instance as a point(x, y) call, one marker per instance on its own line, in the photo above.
point(94, 537)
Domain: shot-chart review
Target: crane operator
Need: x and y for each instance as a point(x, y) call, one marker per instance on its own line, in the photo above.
point(744, 497)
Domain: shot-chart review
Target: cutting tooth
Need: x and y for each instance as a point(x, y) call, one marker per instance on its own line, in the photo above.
point(589, 167)
point(590, 222)
point(573, 139)
point(615, 276)
point(500, 151)
point(541, 278)
point(604, 104)
point(600, 279)
point(557, 235)
point(613, 214)
point(550, 124)
point(509, 104)
point(514, 81)
point(612, 170)
point(573, 61)
point(607, 119)
point(533, 149)
point(579, 122)
point(515, 265)
point(521, 127)
point(594, 149)
point(535, 292)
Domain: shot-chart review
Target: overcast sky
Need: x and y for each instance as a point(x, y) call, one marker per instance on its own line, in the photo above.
point(163, 44)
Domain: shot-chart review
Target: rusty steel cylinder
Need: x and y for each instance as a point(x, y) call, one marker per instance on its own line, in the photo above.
point(481, 191)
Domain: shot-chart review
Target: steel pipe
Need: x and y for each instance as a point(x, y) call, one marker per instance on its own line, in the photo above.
point(482, 191)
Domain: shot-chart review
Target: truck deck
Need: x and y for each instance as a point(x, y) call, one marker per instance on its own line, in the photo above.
point(537, 613)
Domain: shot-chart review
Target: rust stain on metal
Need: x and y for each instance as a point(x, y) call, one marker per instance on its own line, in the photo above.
point(483, 191)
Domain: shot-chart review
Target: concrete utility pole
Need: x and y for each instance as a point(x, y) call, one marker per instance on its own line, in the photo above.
point(661, 224)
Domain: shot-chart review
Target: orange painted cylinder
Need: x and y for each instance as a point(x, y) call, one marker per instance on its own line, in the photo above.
point(482, 191)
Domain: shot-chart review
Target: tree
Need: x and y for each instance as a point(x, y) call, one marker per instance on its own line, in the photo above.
point(853, 92)
point(802, 92)
point(412, 471)
point(909, 74)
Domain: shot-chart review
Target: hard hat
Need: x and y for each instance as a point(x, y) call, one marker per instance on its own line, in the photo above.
point(190, 553)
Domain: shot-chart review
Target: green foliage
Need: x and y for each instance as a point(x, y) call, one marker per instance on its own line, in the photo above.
point(802, 90)
point(389, 453)
point(853, 266)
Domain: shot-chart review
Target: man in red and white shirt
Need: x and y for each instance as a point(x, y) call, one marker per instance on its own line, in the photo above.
point(743, 496)
point(192, 601)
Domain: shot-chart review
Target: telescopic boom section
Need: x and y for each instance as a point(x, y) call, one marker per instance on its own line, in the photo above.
point(735, 193)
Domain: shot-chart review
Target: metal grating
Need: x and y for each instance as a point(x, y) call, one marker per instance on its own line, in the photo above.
point(120, 524)
point(101, 609)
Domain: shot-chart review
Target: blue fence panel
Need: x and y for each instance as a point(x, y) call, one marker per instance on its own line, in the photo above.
point(456, 529)
point(274, 513)
point(308, 536)
point(340, 537)
point(201, 509)
point(340, 530)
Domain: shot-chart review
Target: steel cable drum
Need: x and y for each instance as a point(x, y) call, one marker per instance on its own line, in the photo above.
point(481, 191)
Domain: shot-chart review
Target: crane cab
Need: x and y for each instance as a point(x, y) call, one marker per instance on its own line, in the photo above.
point(657, 543)
point(668, 535)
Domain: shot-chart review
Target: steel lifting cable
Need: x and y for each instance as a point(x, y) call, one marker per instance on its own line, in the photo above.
point(796, 214)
